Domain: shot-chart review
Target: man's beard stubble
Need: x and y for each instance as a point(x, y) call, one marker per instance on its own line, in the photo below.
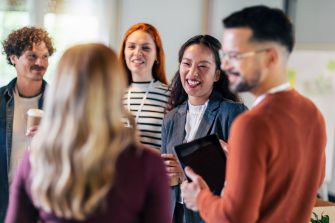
point(243, 85)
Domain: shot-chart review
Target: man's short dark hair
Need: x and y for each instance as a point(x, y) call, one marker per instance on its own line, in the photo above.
point(23, 39)
point(267, 24)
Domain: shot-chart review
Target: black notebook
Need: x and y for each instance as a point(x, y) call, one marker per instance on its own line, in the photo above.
point(207, 158)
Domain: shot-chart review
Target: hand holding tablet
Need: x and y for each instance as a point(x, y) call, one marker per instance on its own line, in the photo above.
point(206, 158)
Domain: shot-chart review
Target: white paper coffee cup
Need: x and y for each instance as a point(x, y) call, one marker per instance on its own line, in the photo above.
point(34, 117)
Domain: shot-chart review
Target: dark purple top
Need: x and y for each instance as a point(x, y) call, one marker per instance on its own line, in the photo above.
point(140, 193)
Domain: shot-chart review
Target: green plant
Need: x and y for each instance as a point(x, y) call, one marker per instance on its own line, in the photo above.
point(323, 219)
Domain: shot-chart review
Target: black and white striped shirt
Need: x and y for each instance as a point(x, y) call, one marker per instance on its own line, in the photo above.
point(150, 117)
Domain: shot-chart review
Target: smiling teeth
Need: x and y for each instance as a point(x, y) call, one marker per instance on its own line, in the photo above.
point(138, 61)
point(193, 83)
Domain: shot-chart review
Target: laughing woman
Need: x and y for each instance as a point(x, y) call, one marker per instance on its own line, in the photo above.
point(201, 105)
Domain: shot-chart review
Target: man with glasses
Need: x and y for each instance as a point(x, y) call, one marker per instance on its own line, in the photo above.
point(28, 50)
point(276, 160)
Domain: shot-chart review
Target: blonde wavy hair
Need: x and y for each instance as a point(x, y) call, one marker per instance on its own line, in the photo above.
point(81, 135)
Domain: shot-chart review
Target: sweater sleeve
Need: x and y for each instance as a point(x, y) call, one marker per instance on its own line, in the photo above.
point(245, 177)
point(158, 198)
point(21, 208)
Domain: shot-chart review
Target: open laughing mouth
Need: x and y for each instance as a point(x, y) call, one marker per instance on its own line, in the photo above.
point(193, 83)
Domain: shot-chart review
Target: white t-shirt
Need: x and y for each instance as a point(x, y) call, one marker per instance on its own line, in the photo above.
point(19, 139)
point(193, 119)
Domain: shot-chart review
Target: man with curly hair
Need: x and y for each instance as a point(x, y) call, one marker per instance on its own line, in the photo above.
point(28, 50)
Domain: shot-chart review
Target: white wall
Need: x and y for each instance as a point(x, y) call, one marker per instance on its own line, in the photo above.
point(315, 21)
point(223, 8)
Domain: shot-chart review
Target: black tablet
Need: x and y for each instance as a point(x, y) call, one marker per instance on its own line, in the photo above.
point(207, 158)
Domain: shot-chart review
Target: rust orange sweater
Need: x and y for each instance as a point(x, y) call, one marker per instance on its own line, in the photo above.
point(275, 166)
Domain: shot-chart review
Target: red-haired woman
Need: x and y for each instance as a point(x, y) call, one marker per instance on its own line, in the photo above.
point(142, 56)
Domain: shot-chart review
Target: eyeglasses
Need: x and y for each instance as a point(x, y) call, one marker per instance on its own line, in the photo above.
point(236, 56)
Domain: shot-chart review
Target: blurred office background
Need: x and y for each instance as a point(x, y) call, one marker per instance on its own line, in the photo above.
point(312, 65)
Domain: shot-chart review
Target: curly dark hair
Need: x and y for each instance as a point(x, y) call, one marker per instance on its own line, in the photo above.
point(178, 94)
point(23, 39)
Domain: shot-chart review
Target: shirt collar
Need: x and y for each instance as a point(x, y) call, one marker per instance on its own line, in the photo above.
point(278, 88)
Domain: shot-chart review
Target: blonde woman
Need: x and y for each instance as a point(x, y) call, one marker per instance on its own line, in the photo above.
point(83, 164)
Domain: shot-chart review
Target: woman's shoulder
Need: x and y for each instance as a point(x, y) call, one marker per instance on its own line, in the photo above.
point(162, 87)
point(142, 162)
point(229, 108)
point(233, 104)
point(140, 153)
point(182, 109)
point(171, 113)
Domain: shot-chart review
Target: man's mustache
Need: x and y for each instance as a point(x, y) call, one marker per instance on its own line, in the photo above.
point(37, 68)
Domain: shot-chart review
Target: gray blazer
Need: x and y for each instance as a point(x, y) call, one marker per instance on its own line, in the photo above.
point(218, 118)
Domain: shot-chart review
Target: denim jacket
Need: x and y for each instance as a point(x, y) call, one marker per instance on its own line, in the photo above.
point(6, 127)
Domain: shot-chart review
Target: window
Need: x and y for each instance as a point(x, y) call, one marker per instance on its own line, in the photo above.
point(68, 22)
point(13, 15)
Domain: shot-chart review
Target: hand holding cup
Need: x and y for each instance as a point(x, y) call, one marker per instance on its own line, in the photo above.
point(34, 117)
